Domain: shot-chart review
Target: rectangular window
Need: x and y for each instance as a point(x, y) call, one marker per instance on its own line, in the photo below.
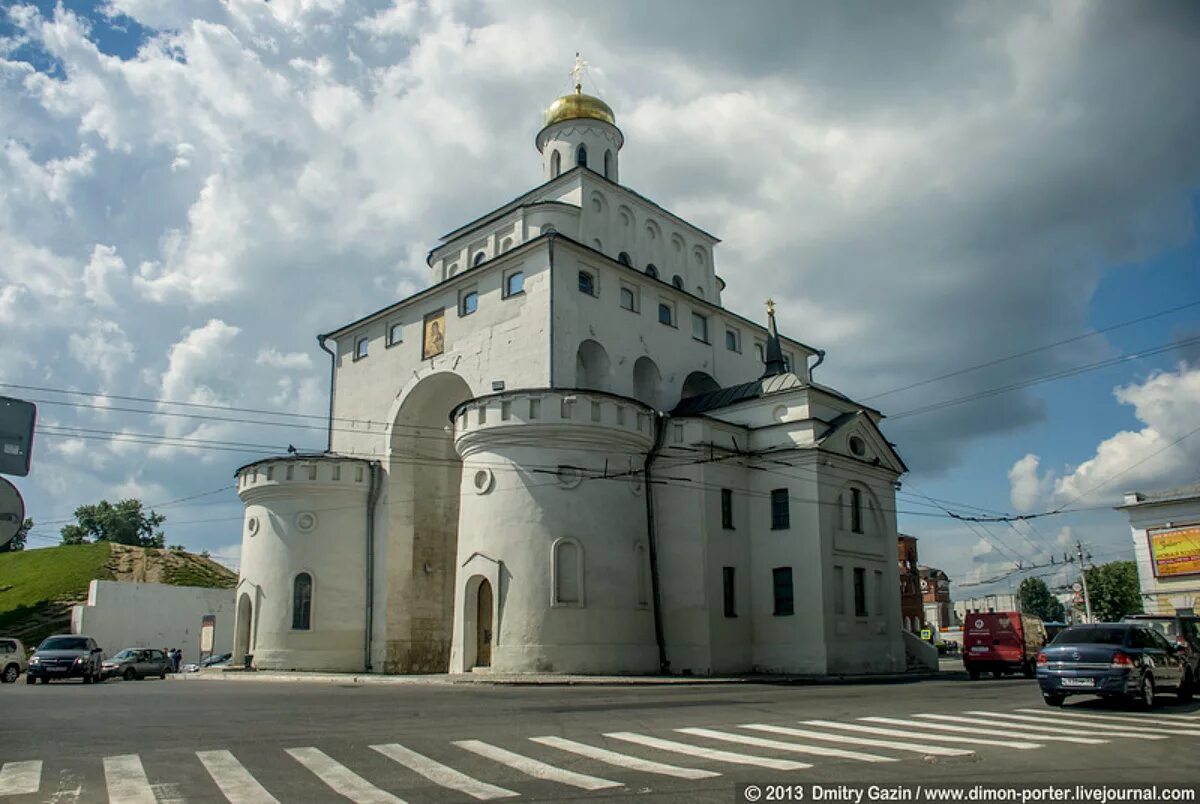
point(856, 510)
point(666, 315)
point(535, 408)
point(395, 333)
point(514, 284)
point(781, 515)
point(860, 592)
point(839, 590)
point(699, 328)
point(788, 361)
point(468, 302)
point(727, 583)
point(587, 283)
point(878, 593)
point(360, 348)
point(629, 298)
point(727, 509)
point(781, 578)
point(732, 341)
point(505, 410)
point(760, 353)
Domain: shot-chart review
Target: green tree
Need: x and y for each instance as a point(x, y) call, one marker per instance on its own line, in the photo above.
point(123, 523)
point(1114, 590)
point(17, 542)
point(1036, 599)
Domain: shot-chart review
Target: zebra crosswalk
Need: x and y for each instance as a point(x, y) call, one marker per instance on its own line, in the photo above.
point(505, 769)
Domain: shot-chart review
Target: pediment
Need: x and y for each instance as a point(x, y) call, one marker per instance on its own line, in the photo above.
point(855, 436)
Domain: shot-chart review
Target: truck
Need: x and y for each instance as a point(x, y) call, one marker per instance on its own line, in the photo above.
point(1002, 642)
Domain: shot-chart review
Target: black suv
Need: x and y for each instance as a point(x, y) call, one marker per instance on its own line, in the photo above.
point(1183, 630)
point(66, 656)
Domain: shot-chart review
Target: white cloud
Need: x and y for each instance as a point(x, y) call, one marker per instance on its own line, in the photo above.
point(198, 364)
point(275, 359)
point(1163, 453)
point(103, 270)
point(393, 21)
point(102, 347)
point(1027, 489)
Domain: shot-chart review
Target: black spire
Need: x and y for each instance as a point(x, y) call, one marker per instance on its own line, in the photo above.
point(774, 362)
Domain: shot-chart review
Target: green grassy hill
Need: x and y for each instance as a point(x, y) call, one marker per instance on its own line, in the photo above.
point(39, 587)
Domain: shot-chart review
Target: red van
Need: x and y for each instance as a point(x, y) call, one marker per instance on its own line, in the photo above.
point(1002, 642)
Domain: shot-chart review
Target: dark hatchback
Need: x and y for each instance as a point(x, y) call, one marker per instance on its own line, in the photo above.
point(1128, 660)
point(66, 656)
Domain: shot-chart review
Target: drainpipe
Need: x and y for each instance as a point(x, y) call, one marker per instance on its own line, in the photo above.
point(660, 431)
point(332, 378)
point(375, 471)
point(820, 360)
point(550, 309)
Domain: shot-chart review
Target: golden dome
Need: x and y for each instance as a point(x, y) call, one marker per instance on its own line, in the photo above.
point(579, 106)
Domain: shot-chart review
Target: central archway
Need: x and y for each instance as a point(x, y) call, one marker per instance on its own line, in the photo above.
point(418, 555)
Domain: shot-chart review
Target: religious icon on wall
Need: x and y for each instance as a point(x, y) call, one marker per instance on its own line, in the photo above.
point(435, 335)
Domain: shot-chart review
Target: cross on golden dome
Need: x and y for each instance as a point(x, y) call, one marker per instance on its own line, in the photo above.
point(577, 72)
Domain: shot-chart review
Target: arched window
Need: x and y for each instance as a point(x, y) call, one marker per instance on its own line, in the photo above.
point(515, 283)
point(302, 602)
point(587, 283)
point(506, 245)
point(651, 271)
point(480, 257)
point(700, 291)
point(608, 165)
point(677, 281)
point(581, 156)
point(624, 259)
point(555, 164)
point(566, 564)
point(469, 303)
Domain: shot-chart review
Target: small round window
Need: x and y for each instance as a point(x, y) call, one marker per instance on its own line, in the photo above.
point(482, 481)
point(306, 521)
point(858, 446)
point(252, 525)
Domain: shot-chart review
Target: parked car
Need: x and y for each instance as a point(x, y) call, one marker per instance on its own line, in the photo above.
point(1002, 642)
point(134, 663)
point(1129, 660)
point(12, 659)
point(216, 660)
point(66, 656)
point(1183, 630)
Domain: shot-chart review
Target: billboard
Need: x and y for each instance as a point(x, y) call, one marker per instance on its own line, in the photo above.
point(1176, 551)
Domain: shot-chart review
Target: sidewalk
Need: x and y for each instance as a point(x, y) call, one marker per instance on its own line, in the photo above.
point(542, 680)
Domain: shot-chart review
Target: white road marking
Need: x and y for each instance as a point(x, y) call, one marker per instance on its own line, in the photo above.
point(898, 745)
point(1067, 726)
point(923, 735)
point(780, 745)
point(20, 778)
point(624, 760)
point(989, 719)
point(234, 780)
point(1104, 728)
point(441, 774)
point(1161, 718)
point(535, 768)
point(126, 780)
point(341, 779)
point(1001, 730)
point(708, 753)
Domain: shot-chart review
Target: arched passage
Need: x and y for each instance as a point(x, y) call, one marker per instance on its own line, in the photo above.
point(591, 366)
point(698, 383)
point(646, 381)
point(245, 621)
point(418, 558)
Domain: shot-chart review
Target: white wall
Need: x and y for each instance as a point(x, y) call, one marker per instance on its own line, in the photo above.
point(127, 615)
point(1163, 595)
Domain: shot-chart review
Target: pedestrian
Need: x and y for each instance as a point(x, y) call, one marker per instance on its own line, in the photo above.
point(176, 658)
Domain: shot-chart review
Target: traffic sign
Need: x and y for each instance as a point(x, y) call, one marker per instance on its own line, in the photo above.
point(926, 634)
point(17, 418)
point(12, 511)
point(1077, 587)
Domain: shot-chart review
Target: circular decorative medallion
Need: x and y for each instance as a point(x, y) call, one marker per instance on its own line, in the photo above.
point(306, 521)
point(252, 525)
point(483, 481)
point(858, 446)
point(569, 476)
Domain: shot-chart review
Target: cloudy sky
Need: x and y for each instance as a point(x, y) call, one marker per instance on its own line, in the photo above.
point(985, 213)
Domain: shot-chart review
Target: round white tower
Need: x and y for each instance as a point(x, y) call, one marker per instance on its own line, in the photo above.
point(580, 130)
point(553, 569)
point(301, 596)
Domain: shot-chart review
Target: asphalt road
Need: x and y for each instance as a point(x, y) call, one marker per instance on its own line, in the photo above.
point(166, 740)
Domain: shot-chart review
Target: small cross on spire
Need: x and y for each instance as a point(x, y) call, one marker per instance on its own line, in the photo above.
point(770, 307)
point(577, 72)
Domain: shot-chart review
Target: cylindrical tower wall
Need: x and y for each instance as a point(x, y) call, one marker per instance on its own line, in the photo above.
point(602, 141)
point(553, 518)
point(305, 515)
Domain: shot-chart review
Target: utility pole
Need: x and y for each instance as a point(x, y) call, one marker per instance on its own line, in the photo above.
point(1087, 600)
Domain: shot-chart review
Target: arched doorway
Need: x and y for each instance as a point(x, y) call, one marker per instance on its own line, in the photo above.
point(417, 566)
point(591, 366)
point(646, 381)
point(483, 625)
point(245, 621)
point(698, 383)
